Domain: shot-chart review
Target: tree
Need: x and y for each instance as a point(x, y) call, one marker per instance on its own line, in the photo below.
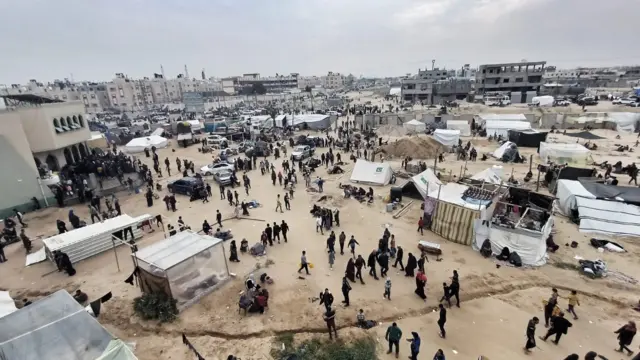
point(258, 89)
point(307, 89)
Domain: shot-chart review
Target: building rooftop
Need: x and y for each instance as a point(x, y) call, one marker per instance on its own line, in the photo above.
point(30, 99)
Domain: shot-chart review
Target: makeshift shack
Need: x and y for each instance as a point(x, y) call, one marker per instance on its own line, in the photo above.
point(420, 185)
point(451, 209)
point(447, 137)
point(564, 153)
point(501, 128)
point(521, 221)
point(370, 173)
point(599, 208)
point(139, 144)
point(461, 125)
point(57, 327)
point(185, 266)
point(527, 138)
point(414, 126)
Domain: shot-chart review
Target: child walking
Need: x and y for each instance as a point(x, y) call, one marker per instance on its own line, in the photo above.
point(445, 296)
point(573, 301)
point(387, 289)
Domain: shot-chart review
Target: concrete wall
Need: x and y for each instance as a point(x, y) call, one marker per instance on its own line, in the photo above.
point(19, 175)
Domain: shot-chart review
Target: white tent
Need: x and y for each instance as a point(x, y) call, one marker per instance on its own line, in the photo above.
point(483, 118)
point(492, 175)
point(564, 153)
point(139, 144)
point(370, 173)
point(606, 217)
point(500, 151)
point(194, 265)
point(543, 101)
point(530, 245)
point(461, 125)
point(625, 122)
point(423, 182)
point(447, 137)
point(497, 128)
point(56, 327)
point(7, 305)
point(414, 126)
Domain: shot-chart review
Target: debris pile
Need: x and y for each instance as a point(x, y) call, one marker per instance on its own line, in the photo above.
point(417, 147)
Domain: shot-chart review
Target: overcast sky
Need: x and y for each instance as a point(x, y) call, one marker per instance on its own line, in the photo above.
point(52, 39)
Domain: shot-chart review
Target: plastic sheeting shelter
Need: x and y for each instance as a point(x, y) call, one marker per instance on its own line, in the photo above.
point(312, 121)
point(564, 153)
point(55, 327)
point(492, 175)
point(414, 126)
point(461, 125)
point(484, 118)
point(139, 144)
point(423, 183)
point(527, 138)
point(501, 128)
point(447, 137)
point(370, 173)
point(194, 265)
point(606, 217)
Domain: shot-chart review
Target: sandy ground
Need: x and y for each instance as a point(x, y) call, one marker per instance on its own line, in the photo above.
point(497, 302)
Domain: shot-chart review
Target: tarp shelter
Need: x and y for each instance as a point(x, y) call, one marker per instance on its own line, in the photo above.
point(452, 216)
point(585, 135)
point(484, 118)
point(492, 175)
point(312, 121)
point(507, 152)
point(414, 126)
point(7, 305)
point(626, 122)
point(421, 184)
point(501, 128)
point(543, 101)
point(447, 137)
point(370, 173)
point(564, 153)
point(461, 125)
point(193, 265)
point(139, 144)
point(56, 327)
point(93, 239)
point(527, 138)
point(610, 216)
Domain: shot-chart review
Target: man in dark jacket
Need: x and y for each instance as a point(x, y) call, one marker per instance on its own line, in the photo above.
point(371, 263)
point(442, 320)
point(383, 260)
point(341, 239)
point(531, 334)
point(360, 263)
point(326, 298)
point(625, 336)
point(393, 335)
point(346, 288)
point(399, 256)
point(559, 326)
point(330, 318)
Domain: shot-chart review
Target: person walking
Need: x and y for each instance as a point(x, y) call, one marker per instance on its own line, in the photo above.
point(332, 258)
point(341, 240)
point(303, 263)
point(549, 306)
point(387, 289)
point(559, 326)
point(330, 318)
point(421, 226)
point(531, 334)
point(352, 245)
point(371, 263)
point(326, 299)
point(276, 231)
point(208, 187)
point(287, 203)
point(399, 255)
point(442, 320)
point(284, 227)
point(393, 336)
point(439, 355)
point(625, 337)
point(219, 218)
point(346, 288)
point(573, 302)
point(414, 345)
point(319, 225)
point(454, 289)
point(279, 204)
point(360, 263)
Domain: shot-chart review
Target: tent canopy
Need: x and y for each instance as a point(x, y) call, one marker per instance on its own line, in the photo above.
point(414, 125)
point(564, 153)
point(585, 135)
point(447, 137)
point(527, 138)
point(174, 250)
point(423, 183)
point(501, 128)
point(461, 125)
point(55, 327)
point(371, 173)
point(139, 144)
point(453, 193)
point(483, 118)
point(490, 175)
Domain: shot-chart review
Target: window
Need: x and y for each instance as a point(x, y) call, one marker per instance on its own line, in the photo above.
point(505, 80)
point(80, 121)
point(121, 92)
point(519, 79)
point(114, 100)
point(64, 97)
point(86, 102)
point(93, 96)
point(112, 89)
point(56, 125)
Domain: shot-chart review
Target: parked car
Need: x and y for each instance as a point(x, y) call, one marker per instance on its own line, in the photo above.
point(213, 168)
point(245, 145)
point(634, 104)
point(301, 152)
point(562, 102)
point(185, 185)
point(624, 101)
point(223, 177)
point(587, 100)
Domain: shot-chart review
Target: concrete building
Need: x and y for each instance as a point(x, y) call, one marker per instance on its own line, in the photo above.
point(333, 80)
point(37, 130)
point(466, 72)
point(417, 90)
point(273, 84)
point(310, 81)
point(521, 77)
point(435, 74)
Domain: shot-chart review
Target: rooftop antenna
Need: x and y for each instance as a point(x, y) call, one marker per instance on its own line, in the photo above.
point(433, 64)
point(186, 72)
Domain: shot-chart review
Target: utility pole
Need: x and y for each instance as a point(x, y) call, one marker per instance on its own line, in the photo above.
point(433, 64)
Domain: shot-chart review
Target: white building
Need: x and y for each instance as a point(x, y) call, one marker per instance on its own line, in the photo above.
point(310, 81)
point(333, 80)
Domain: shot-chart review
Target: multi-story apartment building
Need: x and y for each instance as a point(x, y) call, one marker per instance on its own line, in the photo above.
point(466, 72)
point(333, 80)
point(519, 77)
point(273, 84)
point(435, 74)
point(417, 90)
point(310, 81)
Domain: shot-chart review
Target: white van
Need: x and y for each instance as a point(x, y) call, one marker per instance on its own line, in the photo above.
point(502, 100)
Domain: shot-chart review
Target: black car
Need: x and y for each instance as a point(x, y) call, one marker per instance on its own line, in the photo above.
point(185, 186)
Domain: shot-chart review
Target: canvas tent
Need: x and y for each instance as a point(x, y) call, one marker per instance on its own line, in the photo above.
point(564, 153)
point(596, 213)
point(484, 118)
point(312, 121)
point(57, 327)
point(186, 266)
point(507, 152)
point(460, 125)
point(370, 173)
point(492, 175)
point(139, 144)
point(527, 138)
point(447, 137)
point(501, 128)
point(414, 126)
point(421, 184)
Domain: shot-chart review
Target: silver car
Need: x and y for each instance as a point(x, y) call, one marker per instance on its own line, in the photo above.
point(223, 177)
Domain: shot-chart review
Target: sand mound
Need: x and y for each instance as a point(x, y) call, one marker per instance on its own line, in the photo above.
point(417, 147)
